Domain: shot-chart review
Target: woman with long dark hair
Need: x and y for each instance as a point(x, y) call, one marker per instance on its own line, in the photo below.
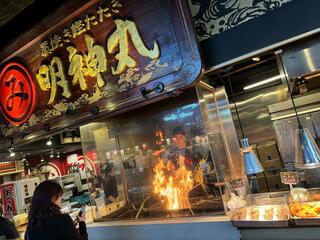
point(45, 219)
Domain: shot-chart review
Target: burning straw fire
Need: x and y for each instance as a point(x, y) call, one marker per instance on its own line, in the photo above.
point(173, 184)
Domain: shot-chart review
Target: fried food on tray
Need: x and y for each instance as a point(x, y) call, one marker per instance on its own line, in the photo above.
point(263, 213)
point(305, 210)
point(282, 213)
point(254, 213)
point(268, 214)
point(239, 214)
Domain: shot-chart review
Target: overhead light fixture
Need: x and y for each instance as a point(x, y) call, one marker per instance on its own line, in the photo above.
point(49, 142)
point(256, 59)
point(51, 154)
point(250, 159)
point(41, 158)
point(307, 152)
point(253, 165)
point(263, 82)
point(23, 158)
point(58, 154)
point(12, 153)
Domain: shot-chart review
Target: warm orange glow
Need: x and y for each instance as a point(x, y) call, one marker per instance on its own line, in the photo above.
point(173, 184)
point(158, 152)
point(159, 137)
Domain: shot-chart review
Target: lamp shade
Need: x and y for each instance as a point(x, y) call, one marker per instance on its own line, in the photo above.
point(307, 153)
point(251, 161)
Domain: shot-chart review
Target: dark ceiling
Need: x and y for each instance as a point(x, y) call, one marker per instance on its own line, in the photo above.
point(10, 8)
point(19, 16)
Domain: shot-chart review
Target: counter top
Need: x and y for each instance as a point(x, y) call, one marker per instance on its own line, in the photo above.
point(187, 228)
point(180, 220)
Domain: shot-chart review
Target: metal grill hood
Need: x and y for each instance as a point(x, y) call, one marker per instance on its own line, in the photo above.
point(303, 58)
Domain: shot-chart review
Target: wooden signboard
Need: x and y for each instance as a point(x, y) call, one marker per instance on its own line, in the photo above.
point(96, 57)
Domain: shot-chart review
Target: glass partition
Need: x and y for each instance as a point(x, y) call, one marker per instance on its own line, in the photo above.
point(154, 162)
point(106, 184)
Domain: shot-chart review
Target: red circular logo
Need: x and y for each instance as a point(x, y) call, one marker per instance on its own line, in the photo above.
point(18, 93)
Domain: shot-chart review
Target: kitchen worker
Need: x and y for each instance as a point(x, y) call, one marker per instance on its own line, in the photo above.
point(180, 146)
point(110, 185)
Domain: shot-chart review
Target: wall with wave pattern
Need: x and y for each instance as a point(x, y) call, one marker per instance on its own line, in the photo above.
point(228, 29)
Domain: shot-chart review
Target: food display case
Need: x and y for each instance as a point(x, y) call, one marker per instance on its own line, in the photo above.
point(263, 210)
point(305, 207)
point(298, 207)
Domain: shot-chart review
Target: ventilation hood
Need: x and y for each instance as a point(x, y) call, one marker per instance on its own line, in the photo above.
point(302, 59)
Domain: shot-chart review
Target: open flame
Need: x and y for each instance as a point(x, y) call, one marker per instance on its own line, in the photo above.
point(173, 184)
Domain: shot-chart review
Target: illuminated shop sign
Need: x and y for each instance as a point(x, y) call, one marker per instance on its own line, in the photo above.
point(96, 56)
point(18, 93)
point(93, 62)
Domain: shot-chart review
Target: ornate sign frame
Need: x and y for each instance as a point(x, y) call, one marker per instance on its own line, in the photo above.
point(160, 56)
